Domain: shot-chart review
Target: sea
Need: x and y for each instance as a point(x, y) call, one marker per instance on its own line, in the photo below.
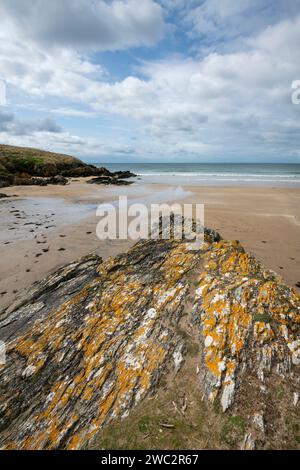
point(277, 175)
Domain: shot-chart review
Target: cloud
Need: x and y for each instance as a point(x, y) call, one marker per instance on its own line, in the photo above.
point(236, 103)
point(84, 23)
point(44, 134)
point(281, 40)
point(5, 120)
point(13, 126)
point(230, 95)
point(65, 143)
point(73, 112)
point(46, 47)
point(223, 25)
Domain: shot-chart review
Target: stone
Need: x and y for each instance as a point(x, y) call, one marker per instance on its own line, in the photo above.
point(258, 421)
point(108, 180)
point(88, 343)
point(249, 443)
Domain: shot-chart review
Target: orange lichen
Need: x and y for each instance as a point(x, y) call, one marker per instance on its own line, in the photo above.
point(116, 341)
point(233, 292)
point(107, 345)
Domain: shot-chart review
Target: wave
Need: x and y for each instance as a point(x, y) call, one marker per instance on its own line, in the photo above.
point(220, 175)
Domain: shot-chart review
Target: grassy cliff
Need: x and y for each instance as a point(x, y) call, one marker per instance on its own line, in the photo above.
point(34, 162)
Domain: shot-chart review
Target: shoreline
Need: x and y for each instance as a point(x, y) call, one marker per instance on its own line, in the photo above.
point(265, 220)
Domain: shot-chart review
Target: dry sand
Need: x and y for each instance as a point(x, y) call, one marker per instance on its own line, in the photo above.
point(265, 220)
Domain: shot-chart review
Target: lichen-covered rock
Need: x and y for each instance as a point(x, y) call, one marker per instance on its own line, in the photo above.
point(83, 351)
point(249, 320)
point(36, 302)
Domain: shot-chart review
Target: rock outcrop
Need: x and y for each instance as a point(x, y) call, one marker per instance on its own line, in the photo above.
point(33, 181)
point(107, 180)
point(25, 166)
point(84, 346)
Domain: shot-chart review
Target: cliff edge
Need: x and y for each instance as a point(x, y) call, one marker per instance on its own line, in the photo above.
point(27, 166)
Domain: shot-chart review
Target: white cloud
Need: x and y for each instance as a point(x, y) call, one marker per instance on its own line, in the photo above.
point(66, 143)
point(16, 127)
point(281, 40)
point(84, 24)
point(73, 112)
point(224, 24)
point(41, 73)
point(232, 102)
point(38, 42)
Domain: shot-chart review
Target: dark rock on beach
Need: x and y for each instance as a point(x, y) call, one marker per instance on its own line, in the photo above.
point(118, 178)
point(6, 180)
point(106, 177)
point(108, 180)
point(87, 171)
point(124, 174)
point(59, 180)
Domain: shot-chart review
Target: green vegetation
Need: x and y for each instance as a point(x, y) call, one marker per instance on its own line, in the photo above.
point(3, 170)
point(264, 318)
point(176, 417)
point(26, 164)
point(34, 162)
point(193, 348)
point(159, 428)
point(279, 392)
point(233, 430)
point(293, 425)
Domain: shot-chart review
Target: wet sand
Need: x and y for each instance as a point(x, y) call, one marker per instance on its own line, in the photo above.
point(57, 225)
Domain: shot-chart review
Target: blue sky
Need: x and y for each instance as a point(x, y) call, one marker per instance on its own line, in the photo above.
point(152, 81)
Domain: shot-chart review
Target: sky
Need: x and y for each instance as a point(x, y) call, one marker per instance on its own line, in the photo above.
point(152, 81)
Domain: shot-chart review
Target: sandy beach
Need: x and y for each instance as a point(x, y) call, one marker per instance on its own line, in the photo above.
point(44, 228)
